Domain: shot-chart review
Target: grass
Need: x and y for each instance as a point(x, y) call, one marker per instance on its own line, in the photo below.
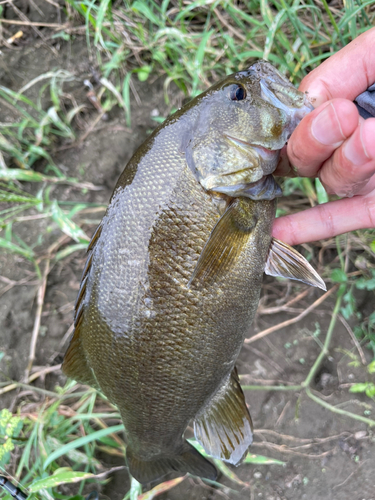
point(54, 443)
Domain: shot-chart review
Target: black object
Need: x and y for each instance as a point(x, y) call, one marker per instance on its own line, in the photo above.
point(365, 102)
point(19, 495)
point(94, 495)
point(13, 490)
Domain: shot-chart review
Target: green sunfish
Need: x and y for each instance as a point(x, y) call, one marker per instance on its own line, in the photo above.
point(174, 272)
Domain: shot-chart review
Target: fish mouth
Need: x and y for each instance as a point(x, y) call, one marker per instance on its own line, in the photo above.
point(264, 160)
point(265, 153)
point(265, 188)
point(259, 162)
point(251, 170)
point(244, 165)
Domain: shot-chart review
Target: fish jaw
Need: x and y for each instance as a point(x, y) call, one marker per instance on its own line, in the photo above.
point(294, 114)
point(265, 188)
point(266, 159)
point(256, 162)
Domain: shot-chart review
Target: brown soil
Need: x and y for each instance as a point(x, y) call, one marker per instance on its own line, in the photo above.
point(289, 426)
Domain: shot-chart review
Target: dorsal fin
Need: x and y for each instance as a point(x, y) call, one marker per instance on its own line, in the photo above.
point(75, 364)
point(78, 307)
point(87, 265)
point(94, 237)
point(224, 428)
point(81, 293)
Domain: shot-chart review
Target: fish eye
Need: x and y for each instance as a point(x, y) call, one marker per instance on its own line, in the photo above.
point(237, 92)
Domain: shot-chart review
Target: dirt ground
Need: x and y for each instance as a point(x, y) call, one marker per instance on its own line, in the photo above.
point(327, 456)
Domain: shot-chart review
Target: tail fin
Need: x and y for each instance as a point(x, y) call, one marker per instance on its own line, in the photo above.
point(188, 461)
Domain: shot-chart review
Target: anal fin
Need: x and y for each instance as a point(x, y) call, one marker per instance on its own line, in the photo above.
point(224, 429)
point(284, 261)
point(188, 460)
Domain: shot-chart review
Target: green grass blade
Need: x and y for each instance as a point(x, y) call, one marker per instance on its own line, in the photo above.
point(66, 225)
point(261, 460)
point(63, 475)
point(104, 5)
point(13, 248)
point(321, 193)
point(135, 489)
point(75, 455)
point(279, 19)
point(161, 488)
point(82, 441)
point(15, 174)
point(142, 8)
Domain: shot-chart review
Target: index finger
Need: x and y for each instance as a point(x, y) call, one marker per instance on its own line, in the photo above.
point(346, 74)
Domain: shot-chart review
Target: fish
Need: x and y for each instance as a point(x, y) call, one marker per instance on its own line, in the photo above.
point(174, 271)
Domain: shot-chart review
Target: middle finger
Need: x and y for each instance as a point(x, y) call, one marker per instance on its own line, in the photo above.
point(349, 169)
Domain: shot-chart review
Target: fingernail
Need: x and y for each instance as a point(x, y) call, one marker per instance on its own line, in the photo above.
point(355, 149)
point(326, 127)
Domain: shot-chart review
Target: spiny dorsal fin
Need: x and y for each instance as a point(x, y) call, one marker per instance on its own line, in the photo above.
point(284, 261)
point(224, 429)
point(226, 242)
point(95, 237)
point(75, 364)
point(81, 293)
point(78, 307)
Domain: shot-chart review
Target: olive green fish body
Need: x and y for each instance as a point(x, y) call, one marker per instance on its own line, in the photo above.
point(174, 273)
point(158, 348)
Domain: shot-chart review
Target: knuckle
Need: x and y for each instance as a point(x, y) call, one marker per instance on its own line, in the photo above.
point(369, 205)
point(296, 152)
point(291, 230)
point(327, 221)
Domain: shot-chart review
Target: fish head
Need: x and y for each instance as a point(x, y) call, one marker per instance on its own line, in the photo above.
point(239, 127)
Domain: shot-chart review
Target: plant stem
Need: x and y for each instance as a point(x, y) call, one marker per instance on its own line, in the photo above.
point(272, 387)
point(334, 409)
point(326, 345)
point(306, 383)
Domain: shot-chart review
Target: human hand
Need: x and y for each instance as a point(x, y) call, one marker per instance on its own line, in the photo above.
point(335, 144)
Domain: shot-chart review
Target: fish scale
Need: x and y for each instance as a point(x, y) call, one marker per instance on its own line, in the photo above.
point(171, 328)
point(174, 274)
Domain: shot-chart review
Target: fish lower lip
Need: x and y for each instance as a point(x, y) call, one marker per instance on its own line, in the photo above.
point(240, 142)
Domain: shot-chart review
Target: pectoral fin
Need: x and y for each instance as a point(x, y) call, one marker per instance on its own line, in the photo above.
point(225, 243)
point(224, 429)
point(284, 261)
